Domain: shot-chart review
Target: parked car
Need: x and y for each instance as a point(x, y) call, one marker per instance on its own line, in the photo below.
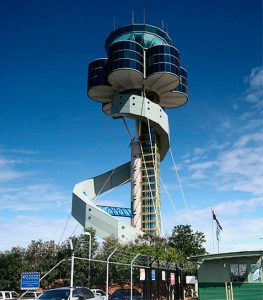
point(8, 295)
point(125, 294)
point(63, 293)
point(29, 295)
point(99, 292)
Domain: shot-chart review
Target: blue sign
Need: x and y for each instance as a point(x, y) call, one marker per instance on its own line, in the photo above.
point(153, 274)
point(30, 281)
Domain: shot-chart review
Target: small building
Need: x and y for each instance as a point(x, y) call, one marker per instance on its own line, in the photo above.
point(230, 276)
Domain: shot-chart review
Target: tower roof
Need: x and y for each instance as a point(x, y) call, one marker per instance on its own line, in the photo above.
point(144, 34)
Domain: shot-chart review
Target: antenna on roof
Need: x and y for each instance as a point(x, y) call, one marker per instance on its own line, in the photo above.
point(114, 23)
point(167, 27)
point(132, 16)
point(144, 15)
point(162, 25)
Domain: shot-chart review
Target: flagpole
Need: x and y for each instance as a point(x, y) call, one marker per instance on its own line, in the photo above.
point(218, 238)
point(218, 229)
point(213, 237)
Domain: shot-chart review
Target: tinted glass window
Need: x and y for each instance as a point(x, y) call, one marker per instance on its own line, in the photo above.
point(181, 88)
point(98, 63)
point(183, 80)
point(28, 295)
point(125, 63)
point(101, 293)
point(128, 45)
point(55, 294)
point(163, 67)
point(87, 294)
point(137, 29)
point(14, 295)
point(126, 54)
point(183, 72)
point(163, 49)
point(1, 295)
point(7, 295)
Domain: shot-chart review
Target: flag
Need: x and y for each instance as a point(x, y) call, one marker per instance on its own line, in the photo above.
point(217, 232)
point(219, 227)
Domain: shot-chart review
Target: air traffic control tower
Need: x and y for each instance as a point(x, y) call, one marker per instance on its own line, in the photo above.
point(139, 79)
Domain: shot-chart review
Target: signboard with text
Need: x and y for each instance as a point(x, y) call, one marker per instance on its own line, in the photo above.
point(172, 278)
point(30, 281)
point(153, 274)
point(142, 274)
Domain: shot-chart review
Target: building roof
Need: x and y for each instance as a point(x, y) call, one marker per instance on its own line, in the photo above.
point(253, 253)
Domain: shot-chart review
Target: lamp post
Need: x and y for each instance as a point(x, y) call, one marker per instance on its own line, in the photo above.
point(87, 233)
point(72, 267)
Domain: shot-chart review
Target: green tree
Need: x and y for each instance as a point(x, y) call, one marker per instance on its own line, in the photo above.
point(81, 250)
point(188, 242)
point(11, 267)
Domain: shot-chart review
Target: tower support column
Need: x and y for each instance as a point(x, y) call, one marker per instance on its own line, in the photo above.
point(136, 186)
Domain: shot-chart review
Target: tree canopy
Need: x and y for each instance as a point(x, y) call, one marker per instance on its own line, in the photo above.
point(188, 242)
point(41, 256)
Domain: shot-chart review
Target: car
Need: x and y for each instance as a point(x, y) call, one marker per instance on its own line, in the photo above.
point(99, 292)
point(29, 295)
point(63, 293)
point(8, 295)
point(125, 294)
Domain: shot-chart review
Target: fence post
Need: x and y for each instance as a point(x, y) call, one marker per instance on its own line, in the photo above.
point(131, 271)
point(107, 273)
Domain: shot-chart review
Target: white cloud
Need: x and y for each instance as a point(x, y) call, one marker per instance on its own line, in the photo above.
point(235, 167)
point(239, 232)
point(7, 172)
point(241, 168)
point(32, 197)
point(255, 80)
point(21, 229)
point(8, 166)
point(3, 149)
point(198, 170)
point(249, 138)
point(24, 196)
point(254, 96)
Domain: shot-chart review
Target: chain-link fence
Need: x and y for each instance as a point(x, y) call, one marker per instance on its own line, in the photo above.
point(154, 279)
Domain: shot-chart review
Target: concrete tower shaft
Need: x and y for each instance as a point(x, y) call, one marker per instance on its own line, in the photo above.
point(136, 187)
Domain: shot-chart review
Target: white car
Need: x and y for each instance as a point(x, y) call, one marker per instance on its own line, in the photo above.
point(63, 293)
point(99, 292)
point(8, 295)
point(29, 295)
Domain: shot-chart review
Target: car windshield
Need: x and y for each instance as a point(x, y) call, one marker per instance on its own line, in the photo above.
point(55, 295)
point(126, 292)
point(28, 295)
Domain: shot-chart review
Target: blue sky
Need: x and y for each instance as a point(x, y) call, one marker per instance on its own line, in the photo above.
point(52, 136)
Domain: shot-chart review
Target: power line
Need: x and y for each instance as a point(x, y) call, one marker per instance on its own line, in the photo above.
point(64, 229)
point(169, 196)
point(74, 231)
point(180, 185)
